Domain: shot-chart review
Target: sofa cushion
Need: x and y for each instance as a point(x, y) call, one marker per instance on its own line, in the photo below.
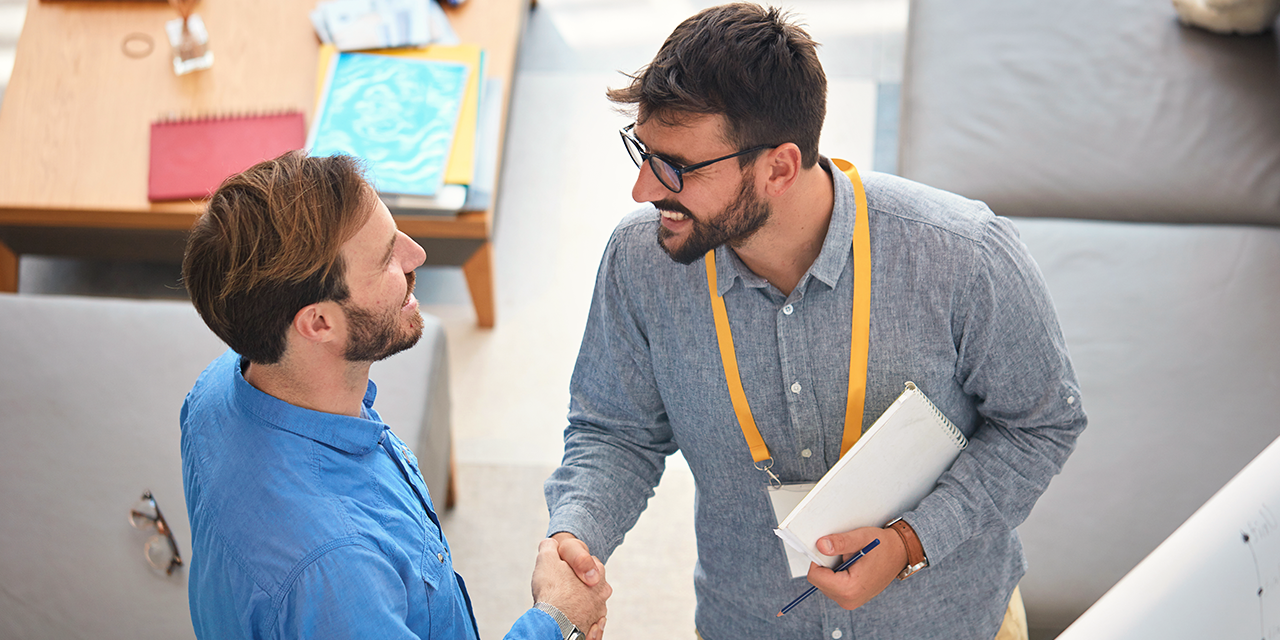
point(1105, 109)
point(1172, 331)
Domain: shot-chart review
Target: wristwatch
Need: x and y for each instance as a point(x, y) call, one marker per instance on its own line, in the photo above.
point(916, 559)
point(568, 630)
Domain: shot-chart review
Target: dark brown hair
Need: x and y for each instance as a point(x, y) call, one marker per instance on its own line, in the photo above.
point(268, 245)
point(742, 61)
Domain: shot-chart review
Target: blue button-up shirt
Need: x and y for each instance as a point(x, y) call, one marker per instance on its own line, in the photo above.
point(957, 306)
point(313, 525)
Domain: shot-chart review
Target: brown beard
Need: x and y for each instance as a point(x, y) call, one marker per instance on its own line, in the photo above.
point(740, 220)
point(374, 336)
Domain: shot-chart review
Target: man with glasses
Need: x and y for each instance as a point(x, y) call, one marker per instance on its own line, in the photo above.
point(732, 297)
point(309, 517)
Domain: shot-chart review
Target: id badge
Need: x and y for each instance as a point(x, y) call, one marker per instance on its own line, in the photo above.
point(785, 498)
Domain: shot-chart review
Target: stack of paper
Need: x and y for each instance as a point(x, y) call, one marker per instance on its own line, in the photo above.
point(415, 117)
point(352, 25)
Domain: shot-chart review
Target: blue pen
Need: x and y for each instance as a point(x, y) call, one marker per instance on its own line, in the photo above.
point(844, 565)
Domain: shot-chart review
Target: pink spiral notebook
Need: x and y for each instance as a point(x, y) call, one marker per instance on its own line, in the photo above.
point(191, 157)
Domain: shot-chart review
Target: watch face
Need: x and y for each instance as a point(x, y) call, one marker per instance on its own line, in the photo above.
point(576, 635)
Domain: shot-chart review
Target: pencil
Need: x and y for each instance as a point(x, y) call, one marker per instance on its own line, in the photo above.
point(844, 565)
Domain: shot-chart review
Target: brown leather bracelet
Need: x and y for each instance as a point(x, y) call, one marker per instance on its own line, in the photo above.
point(916, 560)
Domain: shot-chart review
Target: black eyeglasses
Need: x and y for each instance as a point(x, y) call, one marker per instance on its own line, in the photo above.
point(145, 515)
point(670, 174)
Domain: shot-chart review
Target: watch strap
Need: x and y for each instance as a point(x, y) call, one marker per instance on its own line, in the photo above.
point(568, 631)
point(916, 560)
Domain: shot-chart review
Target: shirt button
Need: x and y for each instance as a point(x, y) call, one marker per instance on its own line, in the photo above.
point(795, 387)
point(836, 634)
point(440, 557)
point(806, 453)
point(788, 309)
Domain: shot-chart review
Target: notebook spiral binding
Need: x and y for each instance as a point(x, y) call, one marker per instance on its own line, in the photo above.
point(952, 430)
point(175, 117)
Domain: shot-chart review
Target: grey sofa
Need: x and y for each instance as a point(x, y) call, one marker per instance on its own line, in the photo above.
point(90, 392)
point(1140, 160)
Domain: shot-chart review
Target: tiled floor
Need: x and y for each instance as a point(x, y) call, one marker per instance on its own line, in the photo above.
point(566, 182)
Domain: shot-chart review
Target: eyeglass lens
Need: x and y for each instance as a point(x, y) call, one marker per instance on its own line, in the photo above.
point(143, 514)
point(668, 175)
point(160, 554)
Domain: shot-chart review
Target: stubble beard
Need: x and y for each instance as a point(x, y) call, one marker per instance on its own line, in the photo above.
point(374, 336)
point(746, 215)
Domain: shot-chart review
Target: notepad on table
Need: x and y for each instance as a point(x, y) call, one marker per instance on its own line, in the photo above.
point(893, 466)
point(191, 157)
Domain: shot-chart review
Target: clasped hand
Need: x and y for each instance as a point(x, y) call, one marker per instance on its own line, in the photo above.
point(557, 583)
point(867, 577)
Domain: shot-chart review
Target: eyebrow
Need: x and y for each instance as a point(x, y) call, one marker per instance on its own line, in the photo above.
point(676, 158)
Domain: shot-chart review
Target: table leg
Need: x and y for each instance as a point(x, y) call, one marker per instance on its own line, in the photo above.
point(8, 269)
point(451, 489)
point(478, 270)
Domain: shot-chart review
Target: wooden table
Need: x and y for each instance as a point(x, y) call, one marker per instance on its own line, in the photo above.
point(76, 117)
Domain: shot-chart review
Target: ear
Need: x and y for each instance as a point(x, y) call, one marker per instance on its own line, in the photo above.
point(316, 322)
point(781, 168)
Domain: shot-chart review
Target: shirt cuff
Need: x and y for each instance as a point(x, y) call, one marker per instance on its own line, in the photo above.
point(535, 625)
point(579, 522)
point(938, 525)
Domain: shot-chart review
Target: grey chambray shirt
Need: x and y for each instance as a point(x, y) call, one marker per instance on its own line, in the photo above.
point(957, 306)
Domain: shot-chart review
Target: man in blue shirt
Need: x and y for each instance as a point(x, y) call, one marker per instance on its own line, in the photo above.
point(309, 517)
point(737, 284)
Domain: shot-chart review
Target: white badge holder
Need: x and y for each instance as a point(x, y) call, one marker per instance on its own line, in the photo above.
point(784, 498)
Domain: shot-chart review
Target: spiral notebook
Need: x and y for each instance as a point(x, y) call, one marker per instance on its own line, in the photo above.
point(894, 465)
point(190, 157)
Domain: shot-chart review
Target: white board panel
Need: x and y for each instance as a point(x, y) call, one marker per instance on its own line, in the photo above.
point(1217, 576)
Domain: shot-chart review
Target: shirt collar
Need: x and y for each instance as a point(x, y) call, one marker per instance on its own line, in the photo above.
point(836, 247)
point(348, 434)
point(729, 267)
point(839, 241)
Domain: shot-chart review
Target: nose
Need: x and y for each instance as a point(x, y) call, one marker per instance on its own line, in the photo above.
point(414, 254)
point(647, 187)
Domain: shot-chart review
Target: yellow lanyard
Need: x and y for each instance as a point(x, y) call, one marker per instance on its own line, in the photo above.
point(859, 336)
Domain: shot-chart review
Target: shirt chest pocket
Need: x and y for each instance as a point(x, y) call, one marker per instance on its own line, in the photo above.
point(447, 607)
point(437, 566)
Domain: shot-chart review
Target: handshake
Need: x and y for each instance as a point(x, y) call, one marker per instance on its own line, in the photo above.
point(570, 579)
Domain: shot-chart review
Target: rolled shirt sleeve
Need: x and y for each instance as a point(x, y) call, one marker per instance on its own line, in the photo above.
point(1013, 360)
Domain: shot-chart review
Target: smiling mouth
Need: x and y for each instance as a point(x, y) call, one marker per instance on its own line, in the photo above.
point(410, 277)
point(672, 210)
